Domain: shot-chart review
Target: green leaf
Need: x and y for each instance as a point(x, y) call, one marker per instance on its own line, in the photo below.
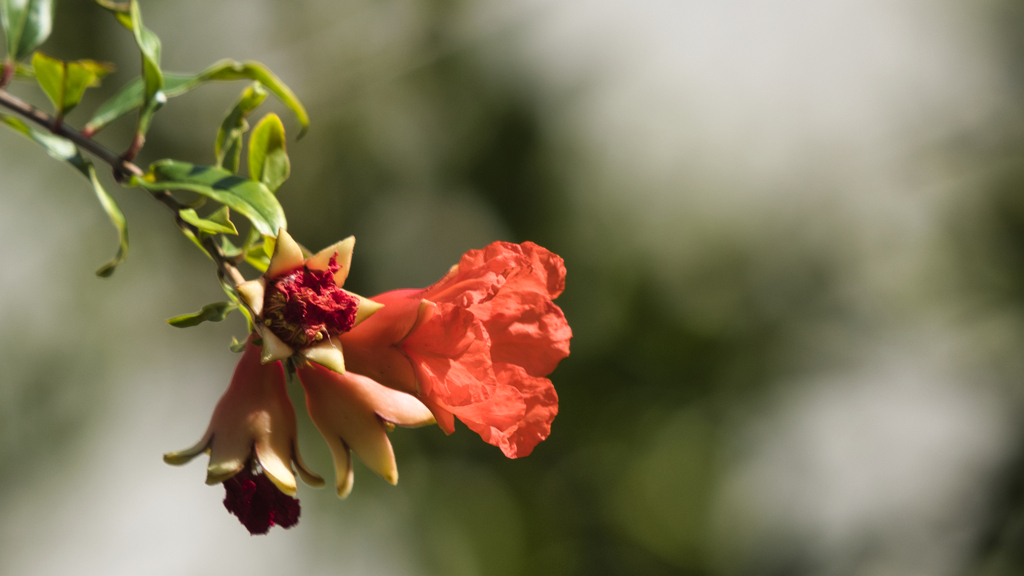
point(217, 223)
point(236, 346)
point(66, 82)
point(26, 24)
point(215, 312)
point(228, 146)
point(149, 46)
point(269, 245)
point(268, 159)
point(121, 10)
point(56, 146)
point(188, 234)
point(232, 293)
point(50, 76)
point(230, 70)
point(117, 219)
point(79, 75)
point(228, 249)
point(63, 149)
point(248, 198)
point(131, 96)
point(257, 258)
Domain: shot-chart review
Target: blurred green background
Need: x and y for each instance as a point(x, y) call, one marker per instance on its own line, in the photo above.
point(794, 234)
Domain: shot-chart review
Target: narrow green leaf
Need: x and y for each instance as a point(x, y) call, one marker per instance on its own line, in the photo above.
point(149, 45)
point(63, 149)
point(232, 293)
point(236, 346)
point(121, 10)
point(116, 218)
point(130, 96)
point(230, 70)
point(217, 223)
point(56, 146)
point(50, 76)
point(228, 146)
point(228, 248)
point(248, 198)
point(269, 244)
point(222, 218)
point(268, 159)
point(153, 78)
point(258, 259)
point(215, 312)
point(26, 24)
point(188, 234)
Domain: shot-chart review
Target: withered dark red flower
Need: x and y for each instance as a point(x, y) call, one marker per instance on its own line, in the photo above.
point(299, 305)
point(476, 345)
point(258, 504)
point(306, 306)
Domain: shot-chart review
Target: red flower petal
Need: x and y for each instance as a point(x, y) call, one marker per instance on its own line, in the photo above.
point(541, 408)
point(526, 329)
point(509, 288)
point(451, 355)
point(524, 267)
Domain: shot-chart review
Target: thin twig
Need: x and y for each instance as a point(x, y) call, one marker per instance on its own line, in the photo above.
point(123, 168)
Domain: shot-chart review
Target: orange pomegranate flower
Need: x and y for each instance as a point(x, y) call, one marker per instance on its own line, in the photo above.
point(476, 345)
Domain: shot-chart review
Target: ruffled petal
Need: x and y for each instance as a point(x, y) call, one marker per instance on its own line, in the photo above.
point(526, 267)
point(451, 353)
point(541, 409)
point(480, 274)
point(526, 329)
